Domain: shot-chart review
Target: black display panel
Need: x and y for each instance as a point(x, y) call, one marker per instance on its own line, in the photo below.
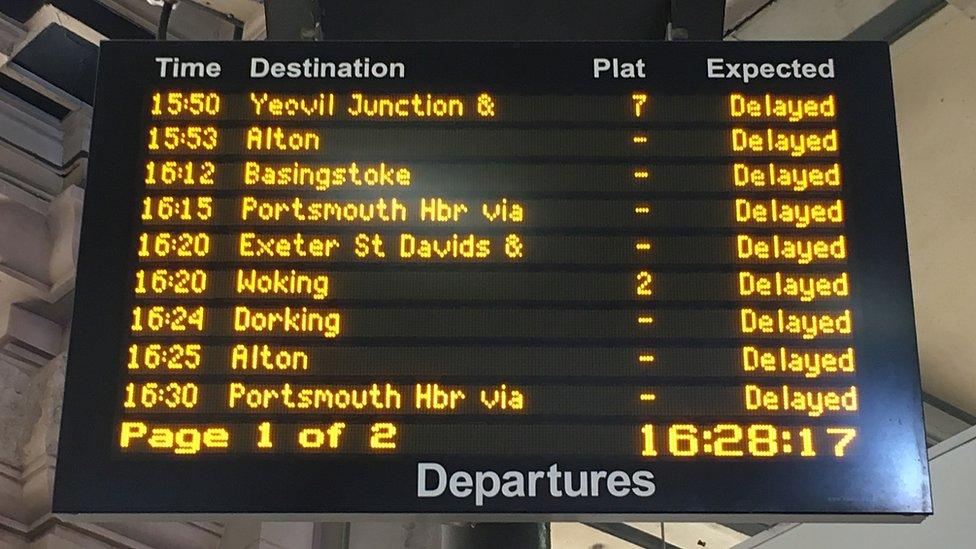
point(507, 281)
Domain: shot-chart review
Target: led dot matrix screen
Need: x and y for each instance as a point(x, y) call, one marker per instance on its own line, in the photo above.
point(497, 280)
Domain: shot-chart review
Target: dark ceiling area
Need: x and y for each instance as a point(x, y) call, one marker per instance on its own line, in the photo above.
point(62, 58)
point(20, 10)
point(14, 87)
point(495, 20)
point(92, 13)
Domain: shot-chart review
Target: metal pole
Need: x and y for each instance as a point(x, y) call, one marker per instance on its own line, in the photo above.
point(163, 29)
point(495, 535)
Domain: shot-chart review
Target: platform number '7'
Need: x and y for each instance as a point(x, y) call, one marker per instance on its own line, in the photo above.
point(847, 434)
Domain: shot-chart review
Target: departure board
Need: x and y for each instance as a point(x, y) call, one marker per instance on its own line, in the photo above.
point(494, 280)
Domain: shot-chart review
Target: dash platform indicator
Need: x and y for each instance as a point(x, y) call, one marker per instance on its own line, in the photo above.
point(536, 281)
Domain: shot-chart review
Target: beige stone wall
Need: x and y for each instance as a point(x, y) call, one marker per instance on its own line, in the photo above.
point(934, 70)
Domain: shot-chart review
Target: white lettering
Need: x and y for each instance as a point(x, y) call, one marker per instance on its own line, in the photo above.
point(433, 480)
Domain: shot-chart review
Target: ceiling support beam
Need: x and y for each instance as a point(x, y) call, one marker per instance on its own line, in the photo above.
point(896, 20)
